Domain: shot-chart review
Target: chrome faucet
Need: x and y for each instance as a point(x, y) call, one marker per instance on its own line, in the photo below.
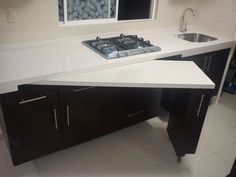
point(183, 24)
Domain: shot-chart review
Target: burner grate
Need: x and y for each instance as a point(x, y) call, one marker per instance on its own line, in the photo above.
point(121, 46)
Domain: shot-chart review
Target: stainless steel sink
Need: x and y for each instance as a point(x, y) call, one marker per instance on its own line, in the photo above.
point(196, 37)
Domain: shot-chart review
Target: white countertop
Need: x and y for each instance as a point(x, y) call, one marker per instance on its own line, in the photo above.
point(27, 63)
point(150, 74)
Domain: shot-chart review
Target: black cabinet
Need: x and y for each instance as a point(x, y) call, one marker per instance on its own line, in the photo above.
point(200, 60)
point(213, 64)
point(127, 106)
point(38, 120)
point(172, 58)
point(32, 122)
point(216, 66)
point(133, 9)
point(141, 104)
point(114, 114)
point(81, 109)
point(187, 115)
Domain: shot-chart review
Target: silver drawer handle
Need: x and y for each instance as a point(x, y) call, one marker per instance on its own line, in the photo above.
point(200, 105)
point(55, 118)
point(68, 115)
point(32, 100)
point(136, 113)
point(209, 64)
point(205, 63)
point(83, 89)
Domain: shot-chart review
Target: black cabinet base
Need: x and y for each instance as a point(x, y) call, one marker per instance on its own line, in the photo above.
point(39, 120)
point(187, 115)
point(233, 170)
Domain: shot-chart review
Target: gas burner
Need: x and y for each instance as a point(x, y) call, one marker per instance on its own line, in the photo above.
point(121, 46)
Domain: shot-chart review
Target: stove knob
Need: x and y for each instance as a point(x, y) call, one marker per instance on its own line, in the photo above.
point(118, 54)
point(141, 39)
point(122, 35)
point(151, 49)
point(126, 53)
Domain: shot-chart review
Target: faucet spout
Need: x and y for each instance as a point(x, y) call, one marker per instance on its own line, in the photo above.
point(183, 23)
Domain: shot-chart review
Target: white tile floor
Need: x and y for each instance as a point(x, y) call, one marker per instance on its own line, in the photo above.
point(141, 151)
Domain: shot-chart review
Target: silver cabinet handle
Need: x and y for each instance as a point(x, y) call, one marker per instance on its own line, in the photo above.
point(136, 113)
point(200, 105)
point(205, 63)
point(55, 118)
point(32, 100)
point(83, 89)
point(68, 115)
point(209, 64)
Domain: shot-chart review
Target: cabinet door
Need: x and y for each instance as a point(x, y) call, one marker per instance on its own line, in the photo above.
point(172, 58)
point(32, 122)
point(141, 104)
point(114, 114)
point(213, 64)
point(127, 106)
point(199, 60)
point(216, 66)
point(186, 120)
point(82, 114)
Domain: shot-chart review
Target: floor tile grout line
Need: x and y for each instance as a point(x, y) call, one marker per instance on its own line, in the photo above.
point(202, 159)
point(223, 150)
point(223, 159)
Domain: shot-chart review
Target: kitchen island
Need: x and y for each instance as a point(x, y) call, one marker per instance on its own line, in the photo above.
point(58, 113)
point(57, 94)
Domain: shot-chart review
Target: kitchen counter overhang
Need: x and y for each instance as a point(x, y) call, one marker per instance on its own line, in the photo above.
point(151, 74)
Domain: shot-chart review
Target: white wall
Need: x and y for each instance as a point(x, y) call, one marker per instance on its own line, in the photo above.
point(38, 20)
point(216, 16)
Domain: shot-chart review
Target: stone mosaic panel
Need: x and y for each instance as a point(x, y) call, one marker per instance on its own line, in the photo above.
point(87, 9)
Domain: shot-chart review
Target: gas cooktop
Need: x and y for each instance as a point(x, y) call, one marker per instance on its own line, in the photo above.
point(120, 46)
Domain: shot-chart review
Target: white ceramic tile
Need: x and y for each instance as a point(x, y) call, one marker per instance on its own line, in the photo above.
point(24, 170)
point(228, 154)
point(228, 100)
point(202, 153)
point(118, 155)
point(165, 155)
point(4, 168)
point(65, 163)
point(142, 150)
point(219, 137)
point(210, 167)
point(217, 134)
point(226, 115)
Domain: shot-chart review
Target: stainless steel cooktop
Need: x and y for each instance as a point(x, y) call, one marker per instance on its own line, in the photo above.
point(121, 46)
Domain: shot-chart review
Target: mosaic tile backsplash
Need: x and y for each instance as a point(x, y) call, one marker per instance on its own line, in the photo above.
point(87, 9)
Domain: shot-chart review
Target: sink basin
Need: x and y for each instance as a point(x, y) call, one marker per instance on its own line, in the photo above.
point(196, 37)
